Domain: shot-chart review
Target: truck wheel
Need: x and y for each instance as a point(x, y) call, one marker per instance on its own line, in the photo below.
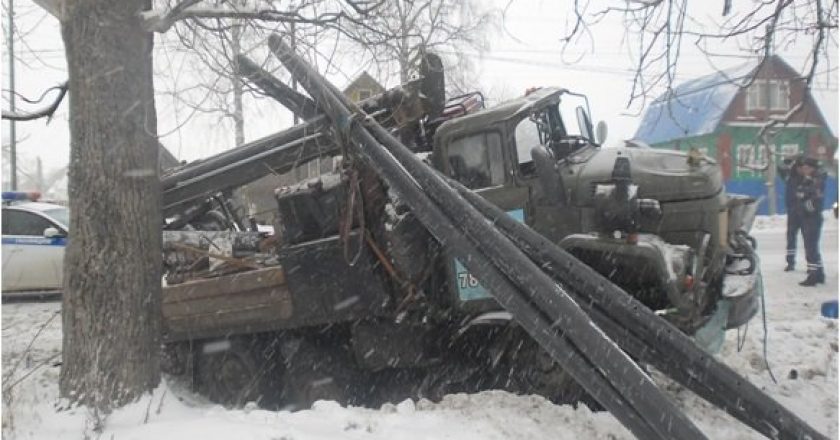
point(316, 372)
point(239, 370)
point(539, 374)
point(553, 382)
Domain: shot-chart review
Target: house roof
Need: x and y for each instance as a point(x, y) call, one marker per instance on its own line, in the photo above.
point(695, 107)
point(362, 78)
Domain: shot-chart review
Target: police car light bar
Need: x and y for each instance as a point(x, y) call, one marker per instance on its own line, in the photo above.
point(17, 196)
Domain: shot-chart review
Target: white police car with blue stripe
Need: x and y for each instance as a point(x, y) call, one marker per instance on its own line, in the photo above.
point(34, 237)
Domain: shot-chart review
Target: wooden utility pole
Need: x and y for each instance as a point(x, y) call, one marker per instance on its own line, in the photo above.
point(12, 128)
point(770, 173)
point(39, 175)
point(294, 80)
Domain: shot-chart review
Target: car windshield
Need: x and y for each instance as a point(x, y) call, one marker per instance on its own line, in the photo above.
point(61, 215)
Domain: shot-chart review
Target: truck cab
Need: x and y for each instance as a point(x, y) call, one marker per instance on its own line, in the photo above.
point(492, 153)
point(656, 222)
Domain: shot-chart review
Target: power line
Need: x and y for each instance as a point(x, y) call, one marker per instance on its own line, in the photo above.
point(577, 67)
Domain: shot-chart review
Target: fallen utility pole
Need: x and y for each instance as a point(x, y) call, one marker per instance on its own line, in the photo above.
point(278, 153)
point(493, 258)
point(648, 337)
point(298, 104)
point(187, 187)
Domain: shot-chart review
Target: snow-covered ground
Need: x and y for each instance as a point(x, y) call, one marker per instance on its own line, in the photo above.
point(802, 352)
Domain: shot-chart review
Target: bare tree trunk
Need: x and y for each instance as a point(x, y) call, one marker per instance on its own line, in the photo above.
point(111, 304)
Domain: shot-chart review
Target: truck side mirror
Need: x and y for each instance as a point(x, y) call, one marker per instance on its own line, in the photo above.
point(550, 180)
point(601, 132)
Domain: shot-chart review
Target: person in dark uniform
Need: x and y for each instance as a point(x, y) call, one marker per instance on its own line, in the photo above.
point(809, 195)
point(789, 173)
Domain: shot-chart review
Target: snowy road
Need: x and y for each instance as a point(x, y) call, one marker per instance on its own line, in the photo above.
point(802, 352)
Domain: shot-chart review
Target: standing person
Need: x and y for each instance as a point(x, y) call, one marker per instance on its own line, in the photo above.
point(788, 171)
point(809, 194)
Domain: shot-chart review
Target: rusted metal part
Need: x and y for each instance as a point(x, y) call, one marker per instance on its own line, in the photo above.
point(383, 259)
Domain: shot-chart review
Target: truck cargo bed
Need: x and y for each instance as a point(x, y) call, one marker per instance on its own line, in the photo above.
point(275, 298)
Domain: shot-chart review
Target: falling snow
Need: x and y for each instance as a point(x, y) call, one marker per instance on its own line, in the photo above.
point(802, 354)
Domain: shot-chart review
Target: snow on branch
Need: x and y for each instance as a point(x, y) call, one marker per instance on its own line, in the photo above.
point(156, 20)
point(46, 112)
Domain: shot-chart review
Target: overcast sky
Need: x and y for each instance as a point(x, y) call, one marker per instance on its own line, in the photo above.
point(526, 52)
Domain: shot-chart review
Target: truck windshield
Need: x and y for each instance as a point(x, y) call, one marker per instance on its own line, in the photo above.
point(574, 110)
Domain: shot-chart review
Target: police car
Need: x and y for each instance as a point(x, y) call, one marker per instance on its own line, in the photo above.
point(34, 237)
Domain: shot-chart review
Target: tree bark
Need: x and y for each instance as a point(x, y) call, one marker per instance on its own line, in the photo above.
point(111, 303)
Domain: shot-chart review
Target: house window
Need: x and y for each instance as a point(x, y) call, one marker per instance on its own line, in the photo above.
point(364, 94)
point(758, 93)
point(746, 156)
point(751, 159)
point(789, 150)
point(761, 155)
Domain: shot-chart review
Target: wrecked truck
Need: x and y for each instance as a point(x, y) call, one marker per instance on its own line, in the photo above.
point(353, 296)
point(440, 259)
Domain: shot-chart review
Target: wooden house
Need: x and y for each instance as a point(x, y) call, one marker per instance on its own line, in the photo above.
point(722, 114)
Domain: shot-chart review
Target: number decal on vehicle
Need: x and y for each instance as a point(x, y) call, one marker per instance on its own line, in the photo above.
point(466, 280)
point(469, 287)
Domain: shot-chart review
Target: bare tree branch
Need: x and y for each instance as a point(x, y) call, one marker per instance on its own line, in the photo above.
point(401, 30)
point(46, 112)
point(157, 21)
point(660, 26)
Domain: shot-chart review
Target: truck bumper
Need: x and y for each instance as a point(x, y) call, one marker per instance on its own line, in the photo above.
point(738, 304)
point(741, 293)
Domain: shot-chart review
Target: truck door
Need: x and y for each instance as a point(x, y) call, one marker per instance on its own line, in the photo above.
point(546, 212)
point(478, 161)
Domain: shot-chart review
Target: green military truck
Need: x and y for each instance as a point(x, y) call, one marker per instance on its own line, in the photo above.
point(352, 299)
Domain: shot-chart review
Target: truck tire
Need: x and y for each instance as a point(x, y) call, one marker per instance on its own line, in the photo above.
point(239, 370)
point(318, 371)
point(528, 369)
point(543, 376)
